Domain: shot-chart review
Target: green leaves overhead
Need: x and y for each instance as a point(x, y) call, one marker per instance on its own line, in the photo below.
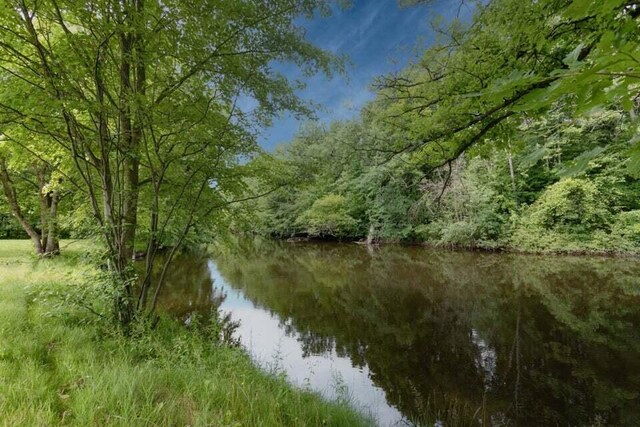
point(141, 98)
point(530, 103)
point(579, 165)
point(515, 59)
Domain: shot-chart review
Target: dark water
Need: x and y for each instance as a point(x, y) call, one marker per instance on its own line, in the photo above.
point(432, 337)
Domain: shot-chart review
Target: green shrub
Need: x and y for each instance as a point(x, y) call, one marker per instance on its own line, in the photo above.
point(431, 232)
point(570, 215)
point(9, 227)
point(627, 226)
point(572, 205)
point(461, 233)
point(328, 216)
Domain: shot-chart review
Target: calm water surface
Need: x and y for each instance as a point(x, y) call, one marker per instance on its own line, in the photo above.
point(418, 336)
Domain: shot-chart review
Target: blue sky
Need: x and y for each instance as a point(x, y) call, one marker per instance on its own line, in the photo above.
point(378, 37)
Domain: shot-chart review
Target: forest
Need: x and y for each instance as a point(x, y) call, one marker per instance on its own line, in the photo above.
point(135, 175)
point(510, 133)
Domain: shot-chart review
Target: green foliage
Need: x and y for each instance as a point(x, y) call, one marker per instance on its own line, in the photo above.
point(627, 227)
point(486, 142)
point(556, 176)
point(9, 227)
point(328, 216)
point(62, 365)
point(135, 105)
point(464, 147)
point(574, 215)
point(571, 205)
point(389, 198)
point(472, 208)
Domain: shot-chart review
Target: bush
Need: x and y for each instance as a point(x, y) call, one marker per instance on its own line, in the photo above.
point(573, 205)
point(627, 227)
point(571, 215)
point(9, 228)
point(431, 232)
point(328, 217)
point(461, 233)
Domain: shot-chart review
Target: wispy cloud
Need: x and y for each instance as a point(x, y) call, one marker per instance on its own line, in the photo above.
point(378, 36)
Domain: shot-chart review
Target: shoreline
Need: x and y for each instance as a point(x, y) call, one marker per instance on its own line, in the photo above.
point(461, 248)
point(61, 365)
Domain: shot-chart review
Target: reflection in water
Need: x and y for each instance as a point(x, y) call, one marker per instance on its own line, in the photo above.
point(435, 337)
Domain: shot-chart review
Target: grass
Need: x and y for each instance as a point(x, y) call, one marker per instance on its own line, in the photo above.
point(61, 365)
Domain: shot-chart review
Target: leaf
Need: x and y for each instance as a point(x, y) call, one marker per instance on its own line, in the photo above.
point(572, 58)
point(579, 9)
point(580, 163)
point(532, 158)
point(633, 165)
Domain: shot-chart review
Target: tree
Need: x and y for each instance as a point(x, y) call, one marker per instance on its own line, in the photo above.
point(328, 216)
point(33, 190)
point(516, 58)
point(143, 97)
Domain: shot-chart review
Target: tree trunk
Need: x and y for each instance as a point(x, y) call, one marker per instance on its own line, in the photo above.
point(511, 171)
point(53, 246)
point(11, 195)
point(127, 221)
point(43, 198)
point(371, 235)
point(132, 78)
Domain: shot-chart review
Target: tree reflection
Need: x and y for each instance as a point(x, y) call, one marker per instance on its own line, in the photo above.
point(188, 288)
point(464, 338)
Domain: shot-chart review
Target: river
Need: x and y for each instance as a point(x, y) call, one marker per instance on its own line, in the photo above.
point(418, 336)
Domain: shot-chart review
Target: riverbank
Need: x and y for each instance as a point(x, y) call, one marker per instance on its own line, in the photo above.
point(62, 365)
point(568, 251)
point(622, 251)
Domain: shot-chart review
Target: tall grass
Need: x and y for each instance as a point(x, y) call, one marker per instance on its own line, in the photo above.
point(61, 365)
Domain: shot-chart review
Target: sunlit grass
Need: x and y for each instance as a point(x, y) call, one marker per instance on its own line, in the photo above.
point(61, 366)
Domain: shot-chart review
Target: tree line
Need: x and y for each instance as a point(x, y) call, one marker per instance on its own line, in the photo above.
point(516, 130)
point(127, 120)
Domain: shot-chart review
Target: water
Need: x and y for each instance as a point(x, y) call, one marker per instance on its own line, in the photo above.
point(413, 335)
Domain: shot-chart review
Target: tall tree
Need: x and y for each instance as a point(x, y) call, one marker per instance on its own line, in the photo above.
point(33, 190)
point(143, 96)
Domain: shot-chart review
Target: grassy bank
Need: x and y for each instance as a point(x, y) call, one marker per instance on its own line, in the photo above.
point(61, 365)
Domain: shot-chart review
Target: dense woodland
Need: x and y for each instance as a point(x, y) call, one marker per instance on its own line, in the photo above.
point(516, 130)
point(551, 183)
